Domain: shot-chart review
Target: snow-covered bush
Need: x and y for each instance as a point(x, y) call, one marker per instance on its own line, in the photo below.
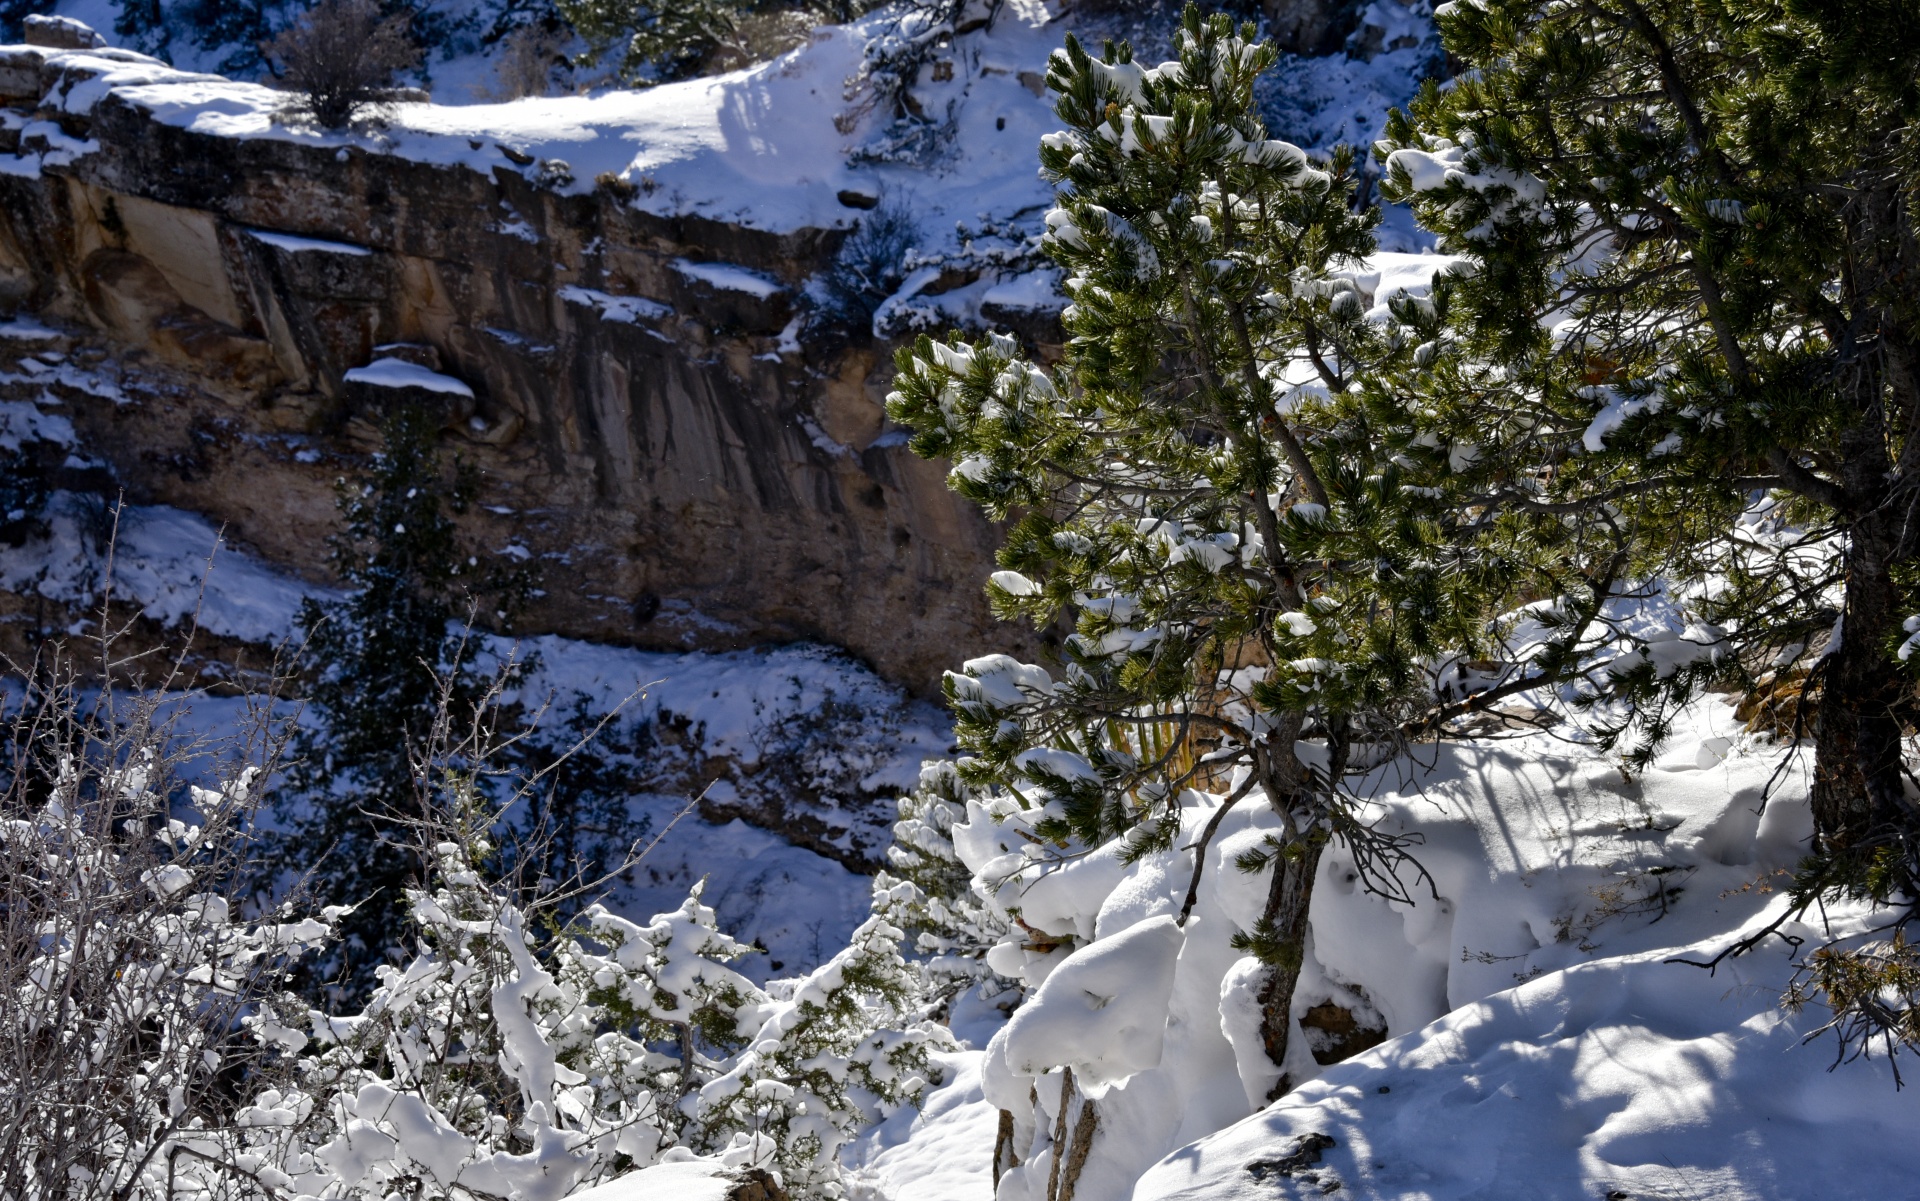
point(649, 40)
point(132, 958)
point(930, 890)
point(890, 64)
point(509, 1059)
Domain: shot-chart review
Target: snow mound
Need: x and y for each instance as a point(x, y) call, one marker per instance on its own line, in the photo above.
point(1626, 1077)
point(1531, 953)
point(1103, 1008)
point(687, 1180)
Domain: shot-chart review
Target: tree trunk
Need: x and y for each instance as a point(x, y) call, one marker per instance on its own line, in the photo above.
point(1857, 795)
point(1285, 920)
point(1282, 933)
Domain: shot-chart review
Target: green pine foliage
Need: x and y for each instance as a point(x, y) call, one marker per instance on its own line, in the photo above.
point(1690, 339)
point(651, 40)
point(1192, 488)
point(385, 661)
point(1687, 348)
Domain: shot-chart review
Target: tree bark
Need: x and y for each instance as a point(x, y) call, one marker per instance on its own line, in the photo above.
point(1288, 896)
point(1857, 795)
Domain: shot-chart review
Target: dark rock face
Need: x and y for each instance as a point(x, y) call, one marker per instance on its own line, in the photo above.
point(685, 475)
point(1312, 27)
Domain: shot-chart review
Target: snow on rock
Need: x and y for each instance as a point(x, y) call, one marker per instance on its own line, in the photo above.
point(1626, 1077)
point(296, 244)
point(1102, 1011)
point(171, 565)
point(628, 310)
point(398, 373)
point(1034, 292)
point(26, 329)
point(727, 277)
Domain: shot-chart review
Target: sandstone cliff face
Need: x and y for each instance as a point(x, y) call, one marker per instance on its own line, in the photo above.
point(646, 424)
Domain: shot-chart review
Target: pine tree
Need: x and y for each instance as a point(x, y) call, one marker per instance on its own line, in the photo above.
point(652, 40)
point(1688, 349)
point(385, 660)
point(930, 893)
point(1242, 571)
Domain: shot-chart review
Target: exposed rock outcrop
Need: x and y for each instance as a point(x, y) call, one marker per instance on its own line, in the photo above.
point(646, 423)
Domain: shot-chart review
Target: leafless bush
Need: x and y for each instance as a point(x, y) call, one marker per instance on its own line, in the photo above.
point(763, 35)
point(128, 960)
point(527, 61)
point(341, 57)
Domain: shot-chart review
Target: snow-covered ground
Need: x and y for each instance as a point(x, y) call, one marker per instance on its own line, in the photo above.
point(1542, 1045)
point(773, 146)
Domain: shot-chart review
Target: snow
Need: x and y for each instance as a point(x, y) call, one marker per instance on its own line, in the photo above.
point(940, 1151)
point(757, 147)
point(1034, 292)
point(1548, 868)
point(398, 373)
point(688, 1180)
point(295, 244)
point(27, 329)
point(1102, 1011)
point(730, 278)
point(1627, 1077)
point(159, 560)
point(798, 905)
point(630, 310)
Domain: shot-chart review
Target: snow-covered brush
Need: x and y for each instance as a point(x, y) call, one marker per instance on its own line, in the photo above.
point(131, 962)
point(520, 1056)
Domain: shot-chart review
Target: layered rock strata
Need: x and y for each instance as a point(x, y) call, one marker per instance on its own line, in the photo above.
point(648, 421)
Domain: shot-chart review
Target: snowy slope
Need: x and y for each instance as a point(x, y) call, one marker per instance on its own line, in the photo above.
point(1628, 1077)
point(764, 147)
point(758, 147)
point(1538, 973)
point(734, 711)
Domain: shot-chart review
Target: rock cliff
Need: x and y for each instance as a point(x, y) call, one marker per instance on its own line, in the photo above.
point(647, 418)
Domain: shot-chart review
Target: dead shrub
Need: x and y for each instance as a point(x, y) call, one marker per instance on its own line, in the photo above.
point(342, 57)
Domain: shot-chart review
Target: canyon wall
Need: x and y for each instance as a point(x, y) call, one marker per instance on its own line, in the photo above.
point(648, 421)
